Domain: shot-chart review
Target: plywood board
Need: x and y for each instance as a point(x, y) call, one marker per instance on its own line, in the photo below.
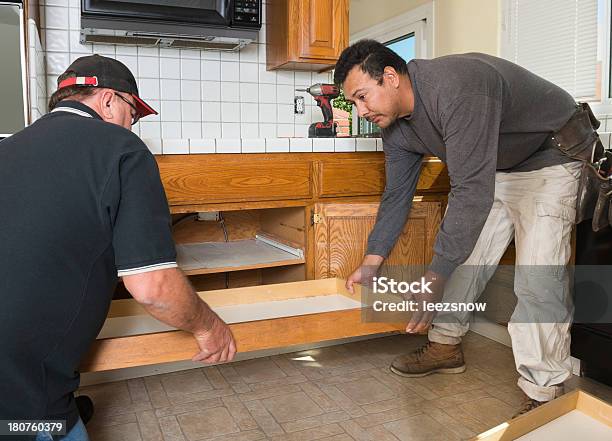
point(211, 257)
point(572, 426)
point(527, 424)
point(146, 324)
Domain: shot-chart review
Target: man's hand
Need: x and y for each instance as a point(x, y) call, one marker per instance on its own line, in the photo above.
point(365, 272)
point(217, 344)
point(421, 319)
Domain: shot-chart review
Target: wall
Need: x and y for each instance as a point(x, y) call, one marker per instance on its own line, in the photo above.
point(362, 15)
point(199, 94)
point(466, 26)
point(460, 25)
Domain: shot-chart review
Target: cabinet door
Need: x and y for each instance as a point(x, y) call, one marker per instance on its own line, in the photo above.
point(324, 27)
point(341, 234)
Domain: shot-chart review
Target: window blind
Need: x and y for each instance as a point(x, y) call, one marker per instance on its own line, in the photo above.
point(556, 39)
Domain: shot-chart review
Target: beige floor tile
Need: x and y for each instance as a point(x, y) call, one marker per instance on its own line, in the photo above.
point(255, 371)
point(186, 382)
point(265, 421)
point(108, 394)
point(123, 432)
point(311, 434)
point(149, 426)
point(490, 411)
point(338, 393)
point(420, 428)
point(207, 424)
point(366, 391)
point(291, 407)
point(315, 421)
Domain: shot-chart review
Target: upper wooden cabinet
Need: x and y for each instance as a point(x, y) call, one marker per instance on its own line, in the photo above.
point(306, 34)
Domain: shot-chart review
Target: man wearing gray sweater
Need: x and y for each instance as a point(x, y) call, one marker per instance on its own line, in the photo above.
point(488, 120)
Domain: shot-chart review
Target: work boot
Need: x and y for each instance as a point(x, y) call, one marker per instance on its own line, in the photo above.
point(428, 359)
point(528, 404)
point(85, 407)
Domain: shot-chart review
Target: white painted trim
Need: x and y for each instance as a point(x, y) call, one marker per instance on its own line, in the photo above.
point(499, 333)
point(406, 23)
point(24, 79)
point(494, 331)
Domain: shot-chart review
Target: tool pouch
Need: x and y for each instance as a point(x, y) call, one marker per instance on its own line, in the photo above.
point(579, 140)
point(594, 195)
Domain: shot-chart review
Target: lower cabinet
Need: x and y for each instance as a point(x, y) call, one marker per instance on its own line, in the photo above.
point(341, 233)
point(267, 241)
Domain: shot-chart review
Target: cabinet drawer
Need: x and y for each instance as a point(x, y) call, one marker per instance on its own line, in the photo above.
point(367, 177)
point(202, 180)
point(352, 177)
point(260, 317)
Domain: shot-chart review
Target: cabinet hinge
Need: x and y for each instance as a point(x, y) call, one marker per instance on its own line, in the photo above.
point(315, 218)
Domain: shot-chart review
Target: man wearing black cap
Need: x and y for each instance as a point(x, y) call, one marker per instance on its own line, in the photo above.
point(84, 206)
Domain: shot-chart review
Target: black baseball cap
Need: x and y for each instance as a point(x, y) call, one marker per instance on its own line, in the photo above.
point(98, 71)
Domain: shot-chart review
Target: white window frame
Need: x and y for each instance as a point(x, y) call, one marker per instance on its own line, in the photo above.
point(418, 21)
point(605, 105)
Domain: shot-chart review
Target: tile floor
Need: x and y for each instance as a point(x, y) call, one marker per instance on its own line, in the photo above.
point(338, 393)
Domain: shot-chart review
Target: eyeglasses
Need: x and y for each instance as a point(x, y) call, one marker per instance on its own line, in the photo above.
point(136, 114)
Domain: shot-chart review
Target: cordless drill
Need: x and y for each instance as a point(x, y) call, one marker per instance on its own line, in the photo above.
point(323, 94)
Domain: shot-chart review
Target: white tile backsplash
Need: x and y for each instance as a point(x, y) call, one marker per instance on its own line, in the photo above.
point(366, 145)
point(277, 145)
point(249, 93)
point(211, 91)
point(175, 146)
point(344, 144)
point(169, 68)
point(154, 145)
point(230, 71)
point(230, 130)
point(208, 100)
point(211, 129)
point(228, 145)
point(211, 70)
point(230, 92)
point(171, 130)
point(191, 129)
point(300, 145)
point(250, 145)
point(203, 145)
point(322, 145)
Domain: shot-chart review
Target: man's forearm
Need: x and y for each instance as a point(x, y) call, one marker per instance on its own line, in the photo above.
point(168, 296)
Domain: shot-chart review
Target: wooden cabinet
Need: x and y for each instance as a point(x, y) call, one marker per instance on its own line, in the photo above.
point(306, 34)
point(342, 229)
point(290, 228)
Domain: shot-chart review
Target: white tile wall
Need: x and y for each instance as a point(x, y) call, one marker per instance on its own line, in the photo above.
point(208, 101)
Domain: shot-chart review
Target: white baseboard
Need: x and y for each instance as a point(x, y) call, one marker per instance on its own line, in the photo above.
point(499, 333)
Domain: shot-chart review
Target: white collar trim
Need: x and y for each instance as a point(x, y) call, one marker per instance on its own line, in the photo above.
point(71, 110)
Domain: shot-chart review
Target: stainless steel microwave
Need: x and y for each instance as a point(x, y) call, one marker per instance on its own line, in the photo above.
point(172, 23)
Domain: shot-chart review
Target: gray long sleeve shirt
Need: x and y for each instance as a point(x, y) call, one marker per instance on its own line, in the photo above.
point(479, 114)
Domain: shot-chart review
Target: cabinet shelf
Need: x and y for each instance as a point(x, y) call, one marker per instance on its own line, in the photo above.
point(220, 257)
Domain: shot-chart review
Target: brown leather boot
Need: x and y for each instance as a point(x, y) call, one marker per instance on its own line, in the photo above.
point(528, 404)
point(429, 359)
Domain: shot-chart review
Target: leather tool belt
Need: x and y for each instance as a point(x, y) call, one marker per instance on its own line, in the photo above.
point(579, 140)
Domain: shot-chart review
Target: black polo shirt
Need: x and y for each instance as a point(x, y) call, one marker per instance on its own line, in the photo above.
point(82, 203)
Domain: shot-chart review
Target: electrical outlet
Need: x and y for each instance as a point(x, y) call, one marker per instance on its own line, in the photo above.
point(208, 216)
point(298, 102)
